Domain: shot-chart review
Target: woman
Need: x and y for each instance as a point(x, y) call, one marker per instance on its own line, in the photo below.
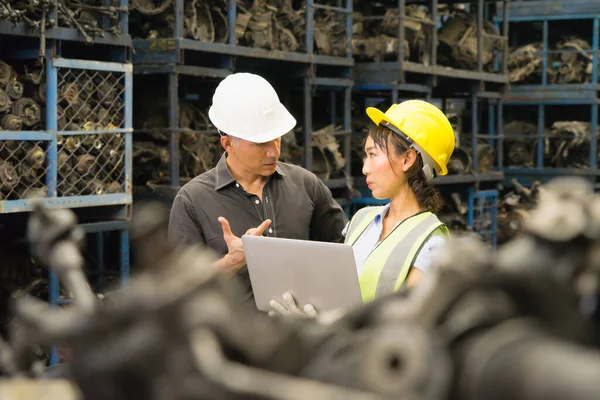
point(394, 244)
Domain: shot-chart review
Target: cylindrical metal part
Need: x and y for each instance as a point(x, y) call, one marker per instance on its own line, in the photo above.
point(12, 123)
point(14, 89)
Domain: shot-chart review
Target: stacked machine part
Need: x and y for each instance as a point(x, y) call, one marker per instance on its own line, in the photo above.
point(552, 114)
point(375, 37)
point(87, 101)
point(91, 18)
point(265, 24)
point(65, 138)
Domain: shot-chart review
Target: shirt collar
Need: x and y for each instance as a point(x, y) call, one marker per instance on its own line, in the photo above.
point(224, 177)
point(381, 215)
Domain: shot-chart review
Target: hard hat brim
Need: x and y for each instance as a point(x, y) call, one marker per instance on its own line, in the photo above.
point(288, 122)
point(377, 116)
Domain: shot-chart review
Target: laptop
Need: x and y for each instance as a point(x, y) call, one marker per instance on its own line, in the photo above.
point(318, 273)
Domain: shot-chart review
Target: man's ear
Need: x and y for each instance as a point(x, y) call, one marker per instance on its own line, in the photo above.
point(410, 157)
point(227, 143)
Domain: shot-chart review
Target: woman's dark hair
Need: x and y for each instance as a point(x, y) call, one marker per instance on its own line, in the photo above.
point(427, 195)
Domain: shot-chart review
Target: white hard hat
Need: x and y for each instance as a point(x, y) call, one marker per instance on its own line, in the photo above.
point(247, 107)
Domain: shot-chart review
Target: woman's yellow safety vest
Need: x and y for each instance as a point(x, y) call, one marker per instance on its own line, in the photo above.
point(387, 267)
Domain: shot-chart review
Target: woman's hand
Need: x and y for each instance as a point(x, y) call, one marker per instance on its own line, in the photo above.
point(291, 308)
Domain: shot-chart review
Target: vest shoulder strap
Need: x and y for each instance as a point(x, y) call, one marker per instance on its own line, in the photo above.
point(359, 222)
point(387, 267)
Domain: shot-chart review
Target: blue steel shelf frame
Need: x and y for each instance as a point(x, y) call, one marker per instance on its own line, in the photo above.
point(72, 34)
point(395, 71)
point(98, 229)
point(50, 136)
point(546, 94)
point(481, 205)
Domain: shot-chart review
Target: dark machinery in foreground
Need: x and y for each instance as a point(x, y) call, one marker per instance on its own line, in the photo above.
point(482, 325)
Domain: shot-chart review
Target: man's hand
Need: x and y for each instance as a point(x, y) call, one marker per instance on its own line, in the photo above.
point(235, 257)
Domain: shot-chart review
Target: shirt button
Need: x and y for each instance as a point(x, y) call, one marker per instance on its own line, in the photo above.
point(270, 230)
point(237, 185)
point(257, 201)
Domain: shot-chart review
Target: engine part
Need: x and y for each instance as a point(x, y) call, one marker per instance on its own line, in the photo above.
point(28, 110)
point(377, 40)
point(4, 101)
point(327, 159)
point(14, 89)
point(11, 122)
point(473, 328)
point(460, 162)
point(458, 42)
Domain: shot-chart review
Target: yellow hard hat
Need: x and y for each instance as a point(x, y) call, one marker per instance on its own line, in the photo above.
point(424, 126)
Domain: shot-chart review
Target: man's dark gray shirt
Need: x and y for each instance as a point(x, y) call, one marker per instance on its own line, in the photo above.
point(299, 205)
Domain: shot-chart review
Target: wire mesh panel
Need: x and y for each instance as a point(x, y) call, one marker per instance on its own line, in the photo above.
point(483, 215)
point(90, 100)
point(83, 158)
point(91, 124)
point(22, 169)
point(91, 164)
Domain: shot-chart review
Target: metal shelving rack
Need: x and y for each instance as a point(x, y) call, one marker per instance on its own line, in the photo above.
point(213, 61)
point(582, 96)
point(120, 38)
point(404, 79)
point(69, 59)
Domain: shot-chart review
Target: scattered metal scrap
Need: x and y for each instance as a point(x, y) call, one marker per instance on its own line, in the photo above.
point(566, 144)
point(266, 24)
point(514, 208)
point(377, 39)
point(199, 144)
point(480, 325)
point(87, 16)
point(572, 65)
point(458, 42)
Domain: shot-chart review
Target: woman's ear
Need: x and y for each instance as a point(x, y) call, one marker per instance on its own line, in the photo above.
point(410, 157)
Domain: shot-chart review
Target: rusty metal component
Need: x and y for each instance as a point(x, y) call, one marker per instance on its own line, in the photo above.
point(9, 178)
point(460, 162)
point(572, 63)
point(200, 147)
point(87, 17)
point(525, 64)
point(11, 123)
point(6, 72)
point(327, 159)
point(85, 164)
point(454, 213)
point(377, 40)
point(4, 101)
point(24, 165)
point(569, 144)
point(14, 89)
point(458, 42)
point(150, 7)
point(479, 325)
point(36, 157)
point(28, 110)
point(519, 151)
point(513, 209)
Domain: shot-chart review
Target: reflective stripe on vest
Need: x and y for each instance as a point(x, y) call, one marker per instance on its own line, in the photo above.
point(386, 268)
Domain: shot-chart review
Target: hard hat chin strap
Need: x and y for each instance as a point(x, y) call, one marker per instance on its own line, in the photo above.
point(428, 171)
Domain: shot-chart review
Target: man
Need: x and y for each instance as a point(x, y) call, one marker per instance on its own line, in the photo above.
point(250, 191)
